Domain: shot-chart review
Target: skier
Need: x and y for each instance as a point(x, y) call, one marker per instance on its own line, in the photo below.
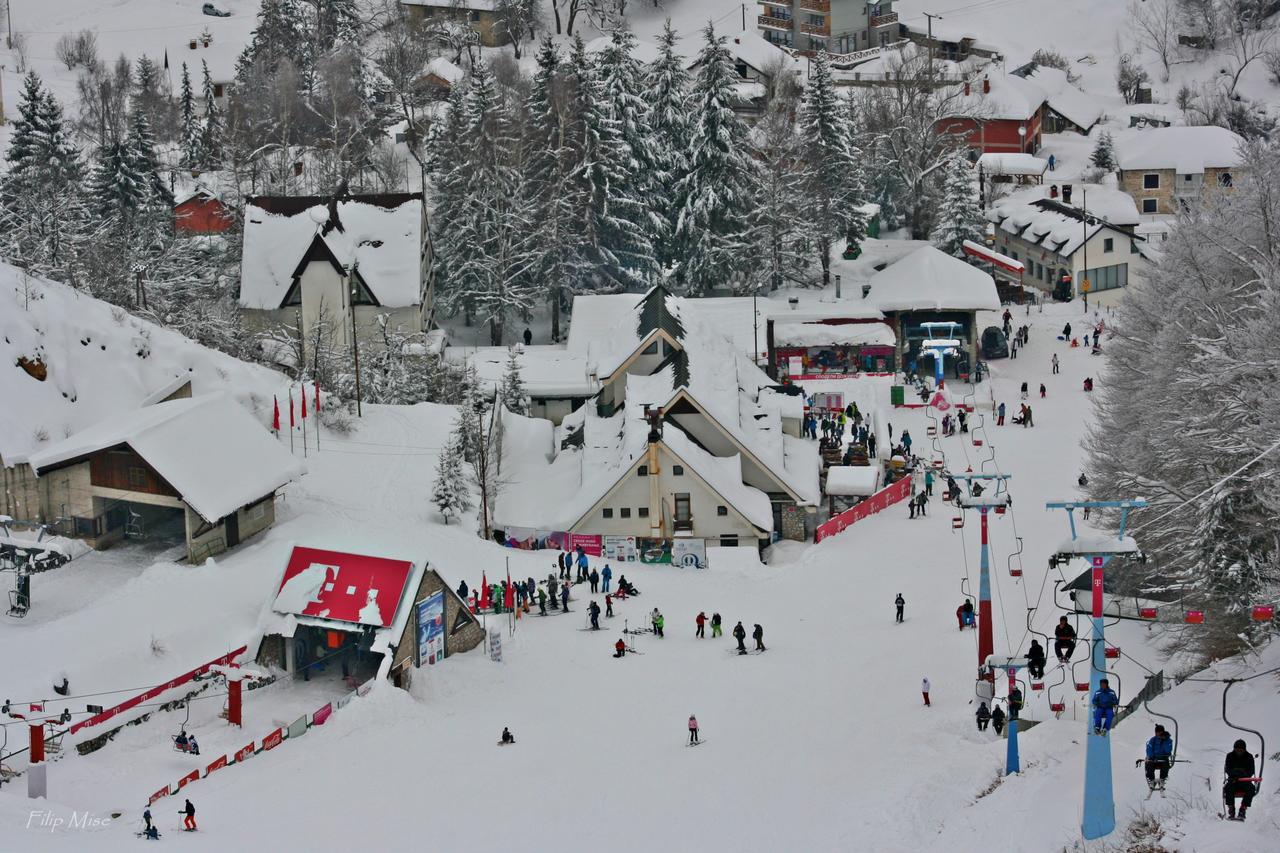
point(1042, 391)
point(608, 606)
point(906, 440)
point(912, 503)
point(924, 689)
point(582, 565)
point(605, 577)
point(963, 418)
point(1027, 420)
point(1054, 362)
point(1015, 703)
point(149, 831)
point(1238, 767)
point(701, 621)
point(189, 822)
point(899, 603)
point(594, 610)
point(928, 483)
point(594, 578)
point(619, 648)
point(1035, 659)
point(1064, 644)
point(997, 719)
point(984, 716)
point(1023, 391)
point(758, 636)
point(960, 616)
point(1159, 756)
point(1000, 415)
point(658, 621)
point(715, 625)
point(740, 634)
point(921, 500)
point(542, 602)
point(693, 729)
point(871, 445)
point(552, 585)
point(1104, 707)
point(564, 597)
point(507, 736)
point(192, 746)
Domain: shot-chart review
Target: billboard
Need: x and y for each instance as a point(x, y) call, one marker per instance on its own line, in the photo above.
point(621, 549)
point(689, 553)
point(430, 615)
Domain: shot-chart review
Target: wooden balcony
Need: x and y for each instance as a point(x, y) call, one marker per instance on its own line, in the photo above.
point(773, 23)
point(785, 4)
point(823, 29)
point(884, 20)
point(823, 6)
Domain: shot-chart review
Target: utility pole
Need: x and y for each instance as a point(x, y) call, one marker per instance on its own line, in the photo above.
point(931, 16)
point(744, 17)
point(8, 19)
point(1084, 225)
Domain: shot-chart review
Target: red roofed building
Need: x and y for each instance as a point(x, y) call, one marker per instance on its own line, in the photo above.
point(200, 212)
point(1000, 113)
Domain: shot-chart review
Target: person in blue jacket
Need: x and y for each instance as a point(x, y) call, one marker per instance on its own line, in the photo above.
point(1104, 707)
point(606, 576)
point(1159, 756)
point(582, 565)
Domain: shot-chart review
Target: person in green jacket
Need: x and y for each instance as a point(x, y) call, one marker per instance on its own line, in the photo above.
point(658, 622)
point(928, 483)
point(542, 601)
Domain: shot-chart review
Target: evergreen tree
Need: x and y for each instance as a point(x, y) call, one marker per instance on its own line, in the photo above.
point(778, 220)
point(142, 150)
point(720, 190)
point(117, 187)
point(447, 163)
point(831, 179)
point(211, 131)
point(959, 216)
point(1104, 154)
point(666, 89)
point(449, 492)
point(191, 153)
point(337, 23)
point(512, 395)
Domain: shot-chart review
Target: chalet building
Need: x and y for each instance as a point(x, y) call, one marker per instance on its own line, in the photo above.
point(1084, 232)
point(214, 46)
point(198, 212)
point(834, 26)
point(355, 616)
point(1163, 169)
point(323, 265)
point(197, 471)
point(998, 114)
point(1066, 107)
point(480, 15)
point(756, 61)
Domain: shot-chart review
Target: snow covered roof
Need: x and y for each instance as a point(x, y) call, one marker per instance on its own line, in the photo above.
point(724, 474)
point(547, 371)
point(854, 480)
point(221, 54)
point(1186, 150)
point(213, 452)
point(832, 334)
point(380, 236)
point(1057, 226)
point(931, 280)
point(1013, 164)
point(444, 69)
point(341, 587)
point(759, 54)
point(1011, 97)
point(1063, 98)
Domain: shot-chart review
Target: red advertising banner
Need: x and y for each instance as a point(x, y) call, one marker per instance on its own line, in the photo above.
point(158, 795)
point(318, 718)
point(217, 765)
point(156, 691)
point(245, 753)
point(883, 499)
point(592, 544)
point(193, 776)
point(273, 740)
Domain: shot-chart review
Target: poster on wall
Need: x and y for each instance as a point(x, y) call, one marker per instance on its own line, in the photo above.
point(530, 539)
point(590, 543)
point(621, 549)
point(654, 550)
point(689, 553)
point(831, 402)
point(431, 629)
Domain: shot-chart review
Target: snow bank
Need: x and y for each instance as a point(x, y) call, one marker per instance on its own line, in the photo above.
point(854, 480)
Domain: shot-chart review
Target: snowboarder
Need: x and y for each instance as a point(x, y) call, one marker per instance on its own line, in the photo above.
point(1042, 390)
point(1064, 644)
point(542, 602)
point(984, 716)
point(1035, 659)
point(1054, 362)
point(997, 719)
point(1159, 756)
point(594, 578)
point(564, 597)
point(899, 603)
point(740, 634)
point(715, 625)
point(1238, 767)
point(1104, 707)
point(619, 648)
point(658, 621)
point(605, 576)
point(594, 610)
point(1000, 415)
point(189, 822)
point(693, 729)
point(758, 636)
point(701, 621)
point(924, 689)
point(507, 736)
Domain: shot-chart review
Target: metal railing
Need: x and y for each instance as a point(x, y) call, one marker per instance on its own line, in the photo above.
point(1154, 687)
point(777, 22)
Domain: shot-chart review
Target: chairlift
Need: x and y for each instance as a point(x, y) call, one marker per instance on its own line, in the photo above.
point(1037, 685)
point(977, 442)
point(1193, 617)
point(937, 464)
point(181, 741)
point(1263, 613)
point(1262, 753)
point(931, 431)
point(1000, 509)
point(957, 522)
point(1148, 612)
point(1015, 573)
point(1111, 652)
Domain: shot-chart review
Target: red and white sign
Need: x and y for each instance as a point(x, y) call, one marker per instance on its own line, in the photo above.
point(273, 740)
point(883, 499)
point(344, 587)
point(193, 776)
point(940, 401)
point(245, 753)
point(220, 763)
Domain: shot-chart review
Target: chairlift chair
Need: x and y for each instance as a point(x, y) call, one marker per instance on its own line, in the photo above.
point(1111, 652)
point(1263, 613)
point(957, 522)
point(1193, 617)
point(1148, 612)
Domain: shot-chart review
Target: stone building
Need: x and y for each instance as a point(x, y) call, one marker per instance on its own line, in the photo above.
point(480, 15)
point(1164, 168)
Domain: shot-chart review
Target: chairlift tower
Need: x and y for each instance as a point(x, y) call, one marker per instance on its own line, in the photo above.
point(1099, 799)
point(984, 503)
point(1010, 665)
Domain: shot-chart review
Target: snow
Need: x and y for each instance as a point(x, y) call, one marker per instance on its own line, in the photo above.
point(758, 53)
point(856, 480)
point(838, 334)
point(1012, 164)
point(930, 280)
point(1186, 150)
point(302, 590)
point(1072, 104)
point(1011, 97)
point(643, 51)
point(445, 70)
point(384, 242)
point(1057, 226)
point(1092, 543)
point(217, 456)
point(724, 475)
point(547, 371)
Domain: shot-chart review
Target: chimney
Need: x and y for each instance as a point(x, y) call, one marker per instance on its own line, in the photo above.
point(986, 84)
point(1066, 193)
point(966, 88)
point(192, 44)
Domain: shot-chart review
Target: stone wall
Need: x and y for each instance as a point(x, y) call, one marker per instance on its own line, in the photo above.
point(1131, 183)
point(458, 637)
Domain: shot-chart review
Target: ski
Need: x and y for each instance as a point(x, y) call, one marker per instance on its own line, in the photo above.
point(699, 742)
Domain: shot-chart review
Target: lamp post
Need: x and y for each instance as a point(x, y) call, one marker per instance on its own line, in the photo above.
point(1022, 138)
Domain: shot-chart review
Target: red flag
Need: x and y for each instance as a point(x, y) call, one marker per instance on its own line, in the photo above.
point(290, 408)
point(509, 594)
point(317, 384)
point(302, 392)
point(484, 592)
point(275, 417)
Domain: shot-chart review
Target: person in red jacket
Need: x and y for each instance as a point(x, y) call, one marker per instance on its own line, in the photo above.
point(702, 625)
point(620, 648)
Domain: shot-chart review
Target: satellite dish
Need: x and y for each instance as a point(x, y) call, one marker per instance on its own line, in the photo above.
point(319, 214)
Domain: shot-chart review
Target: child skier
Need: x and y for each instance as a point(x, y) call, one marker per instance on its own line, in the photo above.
point(693, 729)
point(1104, 707)
point(658, 622)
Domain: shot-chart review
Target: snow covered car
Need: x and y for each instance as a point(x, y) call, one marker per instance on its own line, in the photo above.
point(994, 343)
point(213, 11)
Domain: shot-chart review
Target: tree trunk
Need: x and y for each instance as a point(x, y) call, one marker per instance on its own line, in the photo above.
point(555, 314)
point(495, 331)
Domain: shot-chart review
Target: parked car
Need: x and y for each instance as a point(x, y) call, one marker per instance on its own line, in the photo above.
point(994, 343)
point(213, 11)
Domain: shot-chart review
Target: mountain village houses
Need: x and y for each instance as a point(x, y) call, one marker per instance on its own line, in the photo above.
point(1163, 168)
point(322, 266)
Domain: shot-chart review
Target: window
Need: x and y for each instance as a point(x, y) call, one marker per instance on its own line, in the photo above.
point(684, 512)
point(625, 512)
point(1107, 278)
point(137, 476)
point(1133, 247)
point(728, 541)
point(741, 68)
point(677, 470)
point(651, 349)
point(667, 349)
point(1150, 205)
point(1224, 179)
point(642, 471)
point(257, 511)
point(722, 510)
point(1109, 244)
point(607, 512)
point(217, 90)
point(475, 17)
point(642, 512)
point(1186, 179)
point(817, 20)
point(1151, 181)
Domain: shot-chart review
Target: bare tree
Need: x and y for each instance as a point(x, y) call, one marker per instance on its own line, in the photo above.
point(104, 100)
point(1249, 35)
point(1203, 18)
point(1155, 28)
